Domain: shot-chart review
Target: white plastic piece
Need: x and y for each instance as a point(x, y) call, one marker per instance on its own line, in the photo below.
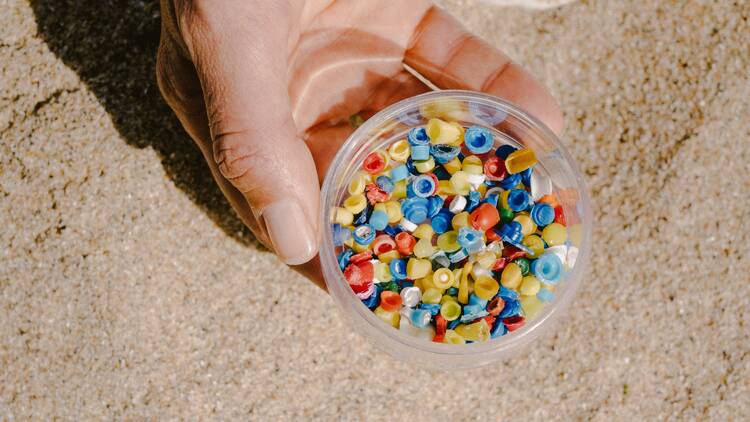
point(540, 185)
point(457, 204)
point(408, 225)
point(410, 296)
point(496, 190)
point(426, 333)
point(475, 180)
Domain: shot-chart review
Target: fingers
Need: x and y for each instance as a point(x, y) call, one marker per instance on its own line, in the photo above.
point(254, 142)
point(447, 54)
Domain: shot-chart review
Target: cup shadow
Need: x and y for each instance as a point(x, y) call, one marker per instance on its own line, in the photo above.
point(111, 45)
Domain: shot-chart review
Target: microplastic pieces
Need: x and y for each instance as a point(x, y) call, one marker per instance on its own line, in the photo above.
point(452, 247)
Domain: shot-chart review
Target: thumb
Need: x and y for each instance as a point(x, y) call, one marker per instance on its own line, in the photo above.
point(255, 144)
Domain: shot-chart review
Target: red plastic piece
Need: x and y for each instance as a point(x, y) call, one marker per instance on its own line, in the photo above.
point(405, 243)
point(512, 253)
point(382, 244)
point(496, 306)
point(490, 320)
point(438, 339)
point(441, 325)
point(361, 257)
point(494, 169)
point(500, 263)
point(375, 194)
point(360, 275)
point(513, 323)
point(492, 236)
point(484, 217)
point(559, 215)
point(374, 163)
point(390, 301)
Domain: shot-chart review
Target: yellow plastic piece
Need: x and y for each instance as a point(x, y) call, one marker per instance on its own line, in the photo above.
point(472, 165)
point(443, 108)
point(460, 220)
point(358, 183)
point(457, 277)
point(448, 242)
point(486, 259)
point(442, 132)
point(520, 160)
point(445, 188)
point(482, 189)
point(342, 216)
point(461, 132)
point(527, 224)
point(485, 287)
point(417, 268)
point(393, 209)
point(450, 310)
point(425, 166)
point(426, 282)
point(442, 278)
point(390, 318)
point(400, 151)
point(355, 203)
point(529, 286)
point(399, 190)
point(535, 243)
point(387, 257)
point(504, 199)
point(382, 272)
point(463, 286)
point(453, 165)
point(460, 183)
point(531, 306)
point(423, 248)
point(555, 234)
point(432, 295)
point(451, 337)
point(424, 231)
point(511, 276)
point(360, 248)
point(478, 331)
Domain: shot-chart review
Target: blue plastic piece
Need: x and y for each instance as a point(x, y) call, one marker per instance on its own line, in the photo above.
point(478, 140)
point(470, 239)
point(441, 173)
point(453, 324)
point(510, 182)
point(420, 152)
point(441, 222)
point(545, 295)
point(392, 230)
point(547, 268)
point(471, 309)
point(340, 234)
point(511, 232)
point(415, 209)
point(498, 329)
point(512, 307)
point(398, 269)
point(405, 283)
point(374, 300)
point(507, 294)
point(344, 257)
point(443, 153)
point(424, 186)
point(418, 136)
point(526, 176)
point(473, 201)
point(362, 217)
point(385, 183)
point(492, 199)
point(542, 214)
point(503, 151)
point(519, 200)
point(435, 205)
point(379, 220)
point(432, 308)
point(399, 173)
point(458, 256)
point(364, 234)
point(474, 313)
point(410, 166)
point(419, 318)
point(476, 300)
point(452, 291)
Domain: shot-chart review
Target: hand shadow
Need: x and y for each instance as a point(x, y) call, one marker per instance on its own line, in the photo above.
point(112, 44)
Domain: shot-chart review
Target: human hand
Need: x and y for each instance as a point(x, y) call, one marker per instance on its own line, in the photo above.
point(266, 89)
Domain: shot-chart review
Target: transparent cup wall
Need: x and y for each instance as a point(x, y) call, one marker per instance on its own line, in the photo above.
point(510, 126)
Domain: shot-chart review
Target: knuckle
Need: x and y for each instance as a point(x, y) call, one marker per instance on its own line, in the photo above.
point(238, 161)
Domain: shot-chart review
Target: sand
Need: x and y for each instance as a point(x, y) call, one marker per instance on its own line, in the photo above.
point(129, 291)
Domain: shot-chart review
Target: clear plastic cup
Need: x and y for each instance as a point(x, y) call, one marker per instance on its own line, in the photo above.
point(510, 125)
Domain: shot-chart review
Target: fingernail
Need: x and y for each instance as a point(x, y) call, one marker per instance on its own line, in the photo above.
point(290, 232)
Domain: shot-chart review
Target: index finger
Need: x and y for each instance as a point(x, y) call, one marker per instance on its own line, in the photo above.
point(451, 57)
